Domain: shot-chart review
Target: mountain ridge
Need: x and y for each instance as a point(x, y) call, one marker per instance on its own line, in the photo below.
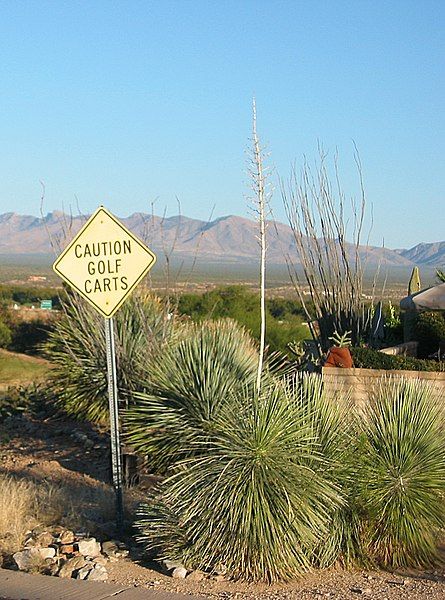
point(230, 238)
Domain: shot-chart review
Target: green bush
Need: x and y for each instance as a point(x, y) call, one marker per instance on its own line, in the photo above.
point(429, 331)
point(368, 358)
point(403, 473)
point(188, 387)
point(284, 321)
point(5, 335)
point(334, 429)
point(253, 495)
point(31, 399)
point(29, 336)
point(77, 350)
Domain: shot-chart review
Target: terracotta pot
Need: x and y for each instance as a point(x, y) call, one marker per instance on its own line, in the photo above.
point(339, 357)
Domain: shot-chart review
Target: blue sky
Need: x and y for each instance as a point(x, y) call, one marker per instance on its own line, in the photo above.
point(127, 103)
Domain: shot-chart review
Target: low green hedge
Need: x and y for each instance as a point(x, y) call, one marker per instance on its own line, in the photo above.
point(367, 358)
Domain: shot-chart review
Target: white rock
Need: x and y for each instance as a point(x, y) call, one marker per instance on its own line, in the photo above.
point(99, 573)
point(89, 547)
point(47, 552)
point(84, 572)
point(26, 558)
point(169, 565)
point(179, 573)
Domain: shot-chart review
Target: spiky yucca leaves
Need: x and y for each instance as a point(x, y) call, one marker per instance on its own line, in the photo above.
point(250, 497)
point(404, 477)
point(334, 428)
point(189, 386)
point(77, 349)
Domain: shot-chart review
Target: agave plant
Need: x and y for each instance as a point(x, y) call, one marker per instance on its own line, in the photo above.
point(252, 495)
point(188, 388)
point(404, 475)
point(77, 349)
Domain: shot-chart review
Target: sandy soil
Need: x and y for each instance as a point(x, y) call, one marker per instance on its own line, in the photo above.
point(47, 451)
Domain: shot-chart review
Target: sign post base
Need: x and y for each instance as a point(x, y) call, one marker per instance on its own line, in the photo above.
point(116, 455)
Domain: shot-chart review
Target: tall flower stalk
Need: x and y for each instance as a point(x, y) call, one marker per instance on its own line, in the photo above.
point(261, 196)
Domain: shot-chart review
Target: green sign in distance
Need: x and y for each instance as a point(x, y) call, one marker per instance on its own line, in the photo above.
point(46, 304)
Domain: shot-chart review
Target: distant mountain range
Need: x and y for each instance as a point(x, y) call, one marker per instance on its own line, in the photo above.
point(228, 239)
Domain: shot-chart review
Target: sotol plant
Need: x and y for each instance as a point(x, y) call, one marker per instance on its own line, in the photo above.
point(77, 349)
point(334, 429)
point(188, 388)
point(252, 496)
point(403, 475)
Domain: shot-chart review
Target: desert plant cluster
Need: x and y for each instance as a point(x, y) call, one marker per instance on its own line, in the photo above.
point(261, 474)
point(267, 481)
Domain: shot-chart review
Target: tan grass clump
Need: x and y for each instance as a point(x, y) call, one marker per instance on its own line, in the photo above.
point(23, 505)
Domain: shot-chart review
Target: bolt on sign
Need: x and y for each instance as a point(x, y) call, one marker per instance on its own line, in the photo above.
point(104, 262)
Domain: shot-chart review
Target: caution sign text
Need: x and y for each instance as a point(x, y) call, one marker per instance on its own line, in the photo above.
point(104, 262)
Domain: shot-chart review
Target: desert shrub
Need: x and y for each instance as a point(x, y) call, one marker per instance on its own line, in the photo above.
point(403, 473)
point(393, 326)
point(31, 399)
point(429, 331)
point(368, 358)
point(252, 495)
point(334, 429)
point(5, 335)
point(284, 321)
point(77, 349)
point(188, 388)
point(29, 336)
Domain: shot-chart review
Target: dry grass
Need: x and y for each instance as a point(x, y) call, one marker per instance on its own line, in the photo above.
point(23, 505)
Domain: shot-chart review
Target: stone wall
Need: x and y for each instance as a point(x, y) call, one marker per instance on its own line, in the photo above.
point(361, 381)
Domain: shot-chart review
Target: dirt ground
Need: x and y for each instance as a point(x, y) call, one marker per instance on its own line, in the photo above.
point(54, 451)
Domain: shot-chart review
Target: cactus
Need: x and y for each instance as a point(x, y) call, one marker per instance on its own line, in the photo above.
point(410, 316)
point(414, 282)
point(341, 341)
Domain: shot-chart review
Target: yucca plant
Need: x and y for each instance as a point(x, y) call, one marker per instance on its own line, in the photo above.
point(404, 473)
point(334, 428)
point(77, 349)
point(252, 496)
point(188, 388)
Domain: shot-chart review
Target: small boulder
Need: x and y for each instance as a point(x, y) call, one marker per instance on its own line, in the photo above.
point(196, 576)
point(110, 548)
point(179, 573)
point(71, 565)
point(84, 571)
point(44, 539)
point(46, 552)
point(66, 537)
point(99, 573)
point(169, 565)
point(27, 559)
point(89, 547)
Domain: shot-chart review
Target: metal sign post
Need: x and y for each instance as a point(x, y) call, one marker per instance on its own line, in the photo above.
point(116, 457)
point(104, 263)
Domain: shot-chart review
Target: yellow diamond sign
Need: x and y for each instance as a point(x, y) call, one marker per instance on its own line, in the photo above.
point(104, 262)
